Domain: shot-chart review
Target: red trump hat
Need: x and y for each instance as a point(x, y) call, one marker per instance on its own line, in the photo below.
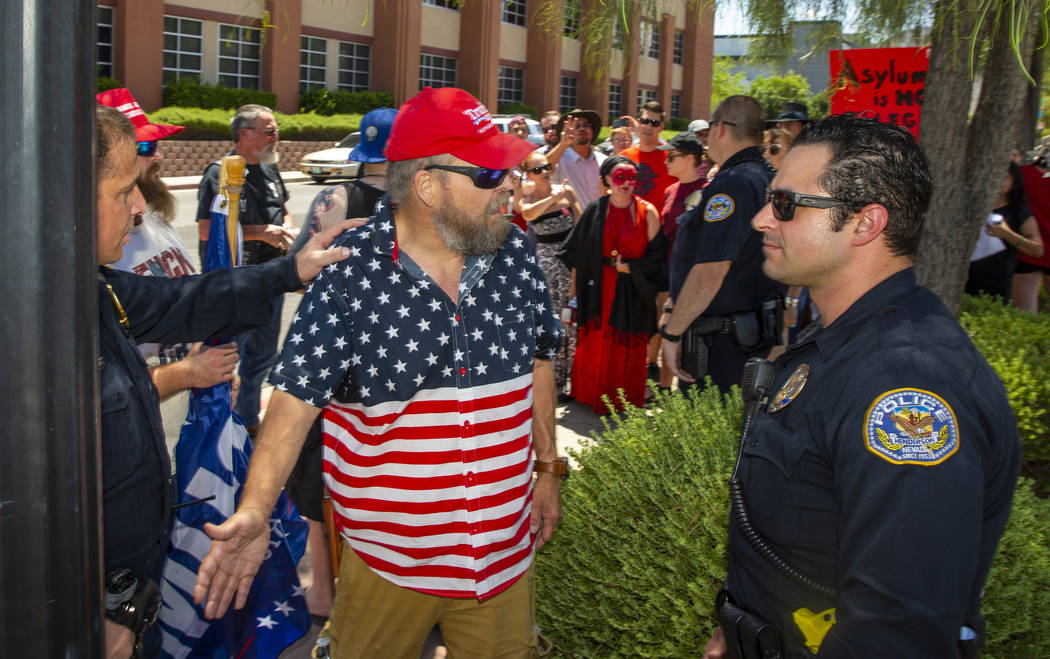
point(121, 99)
point(449, 120)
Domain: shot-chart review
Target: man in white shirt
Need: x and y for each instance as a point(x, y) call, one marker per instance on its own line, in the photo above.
point(579, 161)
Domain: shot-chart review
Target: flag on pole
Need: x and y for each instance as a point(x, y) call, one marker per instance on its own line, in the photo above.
point(211, 459)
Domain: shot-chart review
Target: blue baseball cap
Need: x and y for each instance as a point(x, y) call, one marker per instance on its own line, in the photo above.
point(375, 130)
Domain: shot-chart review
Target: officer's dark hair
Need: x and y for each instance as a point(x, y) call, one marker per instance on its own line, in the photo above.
point(746, 113)
point(611, 163)
point(245, 117)
point(112, 129)
point(874, 163)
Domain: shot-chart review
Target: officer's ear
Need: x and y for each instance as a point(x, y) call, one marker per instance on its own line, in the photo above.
point(870, 223)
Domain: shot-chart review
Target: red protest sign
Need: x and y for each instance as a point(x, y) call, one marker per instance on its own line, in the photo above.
point(887, 83)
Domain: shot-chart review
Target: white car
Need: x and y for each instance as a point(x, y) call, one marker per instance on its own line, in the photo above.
point(334, 162)
point(535, 130)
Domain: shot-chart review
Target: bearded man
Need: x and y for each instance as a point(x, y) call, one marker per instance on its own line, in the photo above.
point(430, 350)
point(268, 232)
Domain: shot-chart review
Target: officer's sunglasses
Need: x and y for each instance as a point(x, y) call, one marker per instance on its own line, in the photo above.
point(784, 202)
point(483, 177)
point(146, 149)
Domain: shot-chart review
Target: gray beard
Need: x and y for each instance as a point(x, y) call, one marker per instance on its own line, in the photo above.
point(470, 235)
point(269, 157)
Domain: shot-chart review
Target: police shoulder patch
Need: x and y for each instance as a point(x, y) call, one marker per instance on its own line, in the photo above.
point(719, 207)
point(911, 426)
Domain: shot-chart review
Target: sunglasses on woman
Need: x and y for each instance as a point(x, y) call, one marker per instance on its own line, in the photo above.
point(146, 149)
point(773, 149)
point(539, 169)
point(621, 176)
point(784, 202)
point(483, 177)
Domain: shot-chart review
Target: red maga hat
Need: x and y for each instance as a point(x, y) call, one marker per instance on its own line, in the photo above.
point(449, 120)
point(121, 99)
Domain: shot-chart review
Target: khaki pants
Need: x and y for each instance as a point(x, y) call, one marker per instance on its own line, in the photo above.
point(374, 618)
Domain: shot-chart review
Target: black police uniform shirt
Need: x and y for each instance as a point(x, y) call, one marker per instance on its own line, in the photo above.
point(883, 466)
point(137, 487)
point(719, 229)
point(262, 202)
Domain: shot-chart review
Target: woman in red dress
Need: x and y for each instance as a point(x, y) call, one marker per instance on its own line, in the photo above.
point(616, 253)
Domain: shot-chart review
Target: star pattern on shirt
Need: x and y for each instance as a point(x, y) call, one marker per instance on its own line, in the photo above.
point(389, 331)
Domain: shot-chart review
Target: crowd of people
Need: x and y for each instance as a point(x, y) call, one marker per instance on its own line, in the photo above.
point(419, 379)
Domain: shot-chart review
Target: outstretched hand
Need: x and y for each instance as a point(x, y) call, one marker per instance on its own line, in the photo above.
point(238, 547)
point(315, 255)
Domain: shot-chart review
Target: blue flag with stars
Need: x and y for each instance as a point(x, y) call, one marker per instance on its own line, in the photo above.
point(211, 460)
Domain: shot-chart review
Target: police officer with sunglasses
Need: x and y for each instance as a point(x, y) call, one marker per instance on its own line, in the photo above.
point(722, 309)
point(877, 476)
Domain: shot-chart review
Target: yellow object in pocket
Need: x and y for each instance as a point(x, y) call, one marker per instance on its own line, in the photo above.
point(814, 626)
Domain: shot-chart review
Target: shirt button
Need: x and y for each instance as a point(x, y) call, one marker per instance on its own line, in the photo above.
point(462, 371)
point(120, 396)
point(470, 478)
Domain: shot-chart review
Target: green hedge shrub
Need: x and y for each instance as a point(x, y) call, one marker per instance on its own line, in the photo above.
point(519, 108)
point(326, 103)
point(189, 93)
point(641, 551)
point(679, 124)
point(215, 124)
point(106, 83)
point(1017, 345)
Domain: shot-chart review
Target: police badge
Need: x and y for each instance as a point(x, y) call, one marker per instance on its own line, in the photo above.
point(790, 389)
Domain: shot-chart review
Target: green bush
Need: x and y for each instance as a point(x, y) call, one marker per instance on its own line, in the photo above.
point(641, 551)
point(519, 108)
point(189, 93)
point(679, 124)
point(325, 102)
point(106, 83)
point(1017, 345)
point(215, 124)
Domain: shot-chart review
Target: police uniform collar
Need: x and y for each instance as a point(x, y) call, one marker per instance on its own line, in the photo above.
point(749, 154)
point(830, 339)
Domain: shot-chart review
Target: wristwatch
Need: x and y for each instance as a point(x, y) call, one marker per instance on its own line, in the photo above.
point(559, 468)
point(673, 338)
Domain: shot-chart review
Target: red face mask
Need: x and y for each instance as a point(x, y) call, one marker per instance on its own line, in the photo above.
point(623, 175)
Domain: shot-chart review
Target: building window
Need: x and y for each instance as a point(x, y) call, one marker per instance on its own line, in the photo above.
point(654, 41)
point(615, 100)
point(676, 105)
point(567, 93)
point(644, 96)
point(511, 85)
point(619, 35)
point(679, 40)
point(447, 4)
point(436, 71)
point(355, 60)
point(312, 54)
point(183, 43)
point(104, 50)
point(239, 56)
point(514, 12)
point(572, 19)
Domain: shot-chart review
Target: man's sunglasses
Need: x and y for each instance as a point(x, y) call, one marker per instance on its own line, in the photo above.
point(650, 122)
point(483, 177)
point(773, 148)
point(784, 202)
point(541, 168)
point(625, 175)
point(146, 149)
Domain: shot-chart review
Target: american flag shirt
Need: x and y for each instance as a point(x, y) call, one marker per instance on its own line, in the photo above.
point(430, 463)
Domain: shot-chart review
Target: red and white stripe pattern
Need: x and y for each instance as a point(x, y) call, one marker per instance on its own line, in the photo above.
point(434, 493)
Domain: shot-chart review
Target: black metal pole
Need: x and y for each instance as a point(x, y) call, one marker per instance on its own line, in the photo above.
point(50, 558)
